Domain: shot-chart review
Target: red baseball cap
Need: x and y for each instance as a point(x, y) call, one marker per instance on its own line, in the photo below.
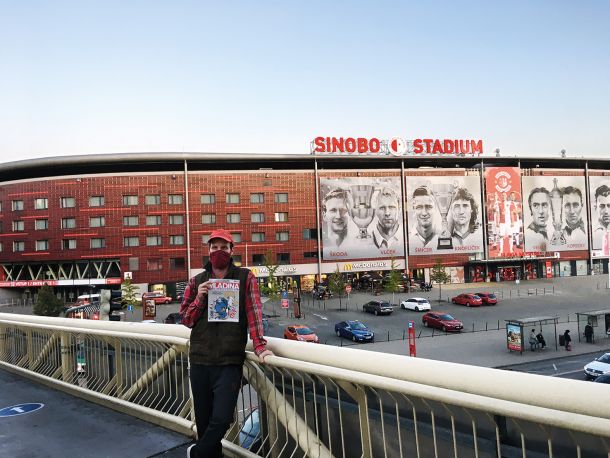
point(221, 234)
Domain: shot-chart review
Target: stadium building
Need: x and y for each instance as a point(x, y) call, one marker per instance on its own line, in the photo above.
point(80, 222)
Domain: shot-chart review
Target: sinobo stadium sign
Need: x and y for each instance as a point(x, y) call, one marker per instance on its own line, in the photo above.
point(395, 146)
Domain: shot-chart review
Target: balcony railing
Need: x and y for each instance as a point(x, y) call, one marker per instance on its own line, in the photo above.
point(317, 400)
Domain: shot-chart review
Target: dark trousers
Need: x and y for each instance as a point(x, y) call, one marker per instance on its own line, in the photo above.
point(215, 390)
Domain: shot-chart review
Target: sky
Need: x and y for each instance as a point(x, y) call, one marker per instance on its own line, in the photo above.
point(84, 77)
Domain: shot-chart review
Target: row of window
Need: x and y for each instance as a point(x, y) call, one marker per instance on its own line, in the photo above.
point(210, 218)
point(70, 244)
point(42, 203)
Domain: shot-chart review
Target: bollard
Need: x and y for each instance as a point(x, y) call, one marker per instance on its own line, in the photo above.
point(403, 334)
point(510, 292)
point(473, 326)
point(498, 325)
point(553, 289)
point(388, 336)
point(486, 325)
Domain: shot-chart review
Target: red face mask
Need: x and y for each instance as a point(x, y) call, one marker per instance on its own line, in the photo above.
point(220, 259)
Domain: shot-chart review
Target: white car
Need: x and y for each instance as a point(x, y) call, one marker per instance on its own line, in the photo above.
point(598, 367)
point(415, 303)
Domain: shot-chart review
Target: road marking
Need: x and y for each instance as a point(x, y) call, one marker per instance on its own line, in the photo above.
point(555, 367)
point(320, 316)
point(560, 374)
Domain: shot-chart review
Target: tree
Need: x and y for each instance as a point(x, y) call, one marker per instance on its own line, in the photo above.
point(47, 303)
point(336, 284)
point(393, 280)
point(128, 293)
point(439, 275)
point(271, 288)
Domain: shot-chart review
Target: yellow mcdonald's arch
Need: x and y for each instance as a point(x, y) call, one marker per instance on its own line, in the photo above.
point(347, 267)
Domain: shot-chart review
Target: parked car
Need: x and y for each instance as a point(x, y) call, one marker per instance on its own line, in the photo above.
point(158, 297)
point(604, 378)
point(442, 321)
point(354, 330)
point(598, 366)
point(415, 303)
point(250, 433)
point(488, 298)
point(301, 333)
point(378, 307)
point(173, 318)
point(467, 299)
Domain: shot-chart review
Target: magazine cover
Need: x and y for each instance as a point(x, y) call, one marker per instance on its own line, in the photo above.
point(223, 300)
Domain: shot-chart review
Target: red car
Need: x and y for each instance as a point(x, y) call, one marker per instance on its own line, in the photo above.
point(301, 333)
point(467, 299)
point(159, 298)
point(442, 321)
point(488, 298)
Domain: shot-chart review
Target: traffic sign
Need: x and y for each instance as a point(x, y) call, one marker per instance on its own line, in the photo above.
point(284, 303)
point(20, 409)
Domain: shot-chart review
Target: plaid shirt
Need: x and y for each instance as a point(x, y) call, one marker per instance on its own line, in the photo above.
point(193, 308)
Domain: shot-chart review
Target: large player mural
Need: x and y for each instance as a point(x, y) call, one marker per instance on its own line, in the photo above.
point(362, 218)
point(599, 187)
point(444, 214)
point(554, 215)
point(504, 211)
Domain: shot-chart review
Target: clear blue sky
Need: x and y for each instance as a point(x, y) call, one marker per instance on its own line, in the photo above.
point(79, 77)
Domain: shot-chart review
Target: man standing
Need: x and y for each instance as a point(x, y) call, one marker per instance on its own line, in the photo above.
point(217, 347)
point(602, 208)
point(464, 211)
point(385, 233)
point(539, 202)
point(336, 215)
point(425, 230)
point(574, 230)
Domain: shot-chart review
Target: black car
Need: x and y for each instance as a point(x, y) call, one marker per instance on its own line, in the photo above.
point(378, 307)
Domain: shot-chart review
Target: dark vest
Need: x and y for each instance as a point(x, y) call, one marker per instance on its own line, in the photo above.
point(220, 344)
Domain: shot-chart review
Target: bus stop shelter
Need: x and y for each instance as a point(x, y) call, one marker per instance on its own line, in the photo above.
point(515, 339)
point(593, 318)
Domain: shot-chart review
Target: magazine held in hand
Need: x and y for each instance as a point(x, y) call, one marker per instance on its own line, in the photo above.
point(223, 301)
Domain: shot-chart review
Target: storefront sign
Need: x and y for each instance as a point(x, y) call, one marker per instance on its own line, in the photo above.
point(395, 146)
point(28, 283)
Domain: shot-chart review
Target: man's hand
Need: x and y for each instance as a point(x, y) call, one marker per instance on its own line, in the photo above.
point(263, 355)
point(202, 289)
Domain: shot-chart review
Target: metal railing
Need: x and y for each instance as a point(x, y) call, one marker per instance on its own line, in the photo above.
point(316, 400)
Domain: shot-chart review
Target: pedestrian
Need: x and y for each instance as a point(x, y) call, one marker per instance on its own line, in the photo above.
point(541, 340)
point(589, 333)
point(534, 344)
point(217, 344)
point(567, 340)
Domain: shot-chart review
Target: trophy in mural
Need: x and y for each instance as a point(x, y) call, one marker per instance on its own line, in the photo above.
point(443, 195)
point(556, 209)
point(361, 209)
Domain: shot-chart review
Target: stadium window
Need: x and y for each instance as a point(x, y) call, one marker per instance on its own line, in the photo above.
point(18, 226)
point(175, 199)
point(131, 241)
point(310, 234)
point(257, 218)
point(68, 244)
point(130, 200)
point(177, 263)
point(97, 221)
point(310, 254)
point(258, 237)
point(96, 201)
point(233, 218)
point(258, 259)
point(41, 203)
point(176, 219)
point(18, 246)
point(134, 264)
point(281, 197)
point(42, 245)
point(97, 243)
point(204, 239)
point(67, 202)
point(152, 199)
point(153, 220)
point(281, 236)
point(208, 199)
point(208, 218)
point(283, 258)
point(281, 217)
point(153, 240)
point(130, 220)
point(232, 198)
point(17, 205)
point(257, 198)
point(41, 224)
point(154, 264)
point(68, 223)
point(176, 239)
point(236, 237)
